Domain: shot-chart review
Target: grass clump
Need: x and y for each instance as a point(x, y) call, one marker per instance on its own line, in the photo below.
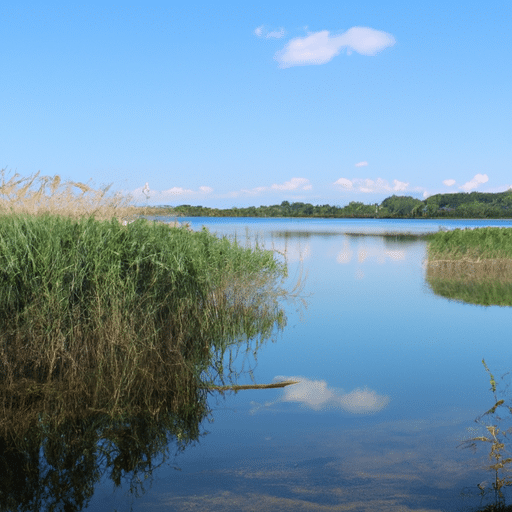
point(471, 244)
point(119, 320)
point(472, 265)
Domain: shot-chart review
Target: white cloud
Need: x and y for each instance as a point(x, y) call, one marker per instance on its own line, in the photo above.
point(143, 193)
point(399, 186)
point(372, 186)
point(320, 47)
point(317, 395)
point(478, 179)
point(293, 184)
point(344, 183)
point(449, 183)
point(362, 164)
point(275, 34)
point(178, 191)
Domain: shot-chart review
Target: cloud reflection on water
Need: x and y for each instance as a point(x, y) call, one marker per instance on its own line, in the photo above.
point(375, 253)
point(317, 395)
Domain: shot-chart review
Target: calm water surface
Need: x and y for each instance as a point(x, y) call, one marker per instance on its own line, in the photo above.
point(391, 382)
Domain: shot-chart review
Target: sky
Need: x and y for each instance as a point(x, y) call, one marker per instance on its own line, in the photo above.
point(226, 104)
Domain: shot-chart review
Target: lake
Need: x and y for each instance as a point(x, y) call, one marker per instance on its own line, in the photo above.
point(391, 381)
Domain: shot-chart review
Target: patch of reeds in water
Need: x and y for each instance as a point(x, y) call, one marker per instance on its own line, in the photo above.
point(97, 317)
point(473, 266)
point(471, 244)
point(113, 331)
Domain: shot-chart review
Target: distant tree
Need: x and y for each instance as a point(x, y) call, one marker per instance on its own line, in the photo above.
point(401, 206)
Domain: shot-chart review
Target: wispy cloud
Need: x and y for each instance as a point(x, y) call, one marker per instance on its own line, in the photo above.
point(449, 183)
point(163, 196)
point(362, 164)
point(293, 184)
point(274, 34)
point(478, 179)
point(371, 186)
point(317, 395)
point(321, 47)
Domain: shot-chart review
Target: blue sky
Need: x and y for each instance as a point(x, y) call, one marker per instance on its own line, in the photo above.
point(234, 104)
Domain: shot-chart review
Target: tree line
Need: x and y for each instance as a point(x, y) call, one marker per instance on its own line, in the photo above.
point(457, 205)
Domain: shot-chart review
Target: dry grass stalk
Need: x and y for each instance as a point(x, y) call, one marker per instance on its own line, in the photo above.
point(38, 195)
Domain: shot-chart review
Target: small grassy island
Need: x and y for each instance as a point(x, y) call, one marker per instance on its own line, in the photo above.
point(472, 265)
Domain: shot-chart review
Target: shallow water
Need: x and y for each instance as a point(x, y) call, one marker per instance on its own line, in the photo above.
point(391, 382)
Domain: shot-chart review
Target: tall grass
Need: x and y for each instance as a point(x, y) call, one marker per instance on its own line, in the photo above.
point(471, 244)
point(472, 265)
point(37, 195)
point(98, 317)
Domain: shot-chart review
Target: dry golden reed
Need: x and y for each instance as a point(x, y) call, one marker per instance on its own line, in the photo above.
point(37, 195)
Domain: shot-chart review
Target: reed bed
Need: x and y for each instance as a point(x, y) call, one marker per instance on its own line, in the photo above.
point(101, 318)
point(38, 195)
point(471, 244)
point(472, 265)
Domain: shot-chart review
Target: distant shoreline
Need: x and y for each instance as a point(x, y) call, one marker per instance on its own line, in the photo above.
point(474, 205)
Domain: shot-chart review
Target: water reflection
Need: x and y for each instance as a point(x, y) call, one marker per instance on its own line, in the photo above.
point(483, 282)
point(114, 403)
point(378, 254)
point(317, 395)
point(59, 469)
point(391, 388)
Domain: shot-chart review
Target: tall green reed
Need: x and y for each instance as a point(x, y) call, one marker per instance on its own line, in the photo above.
point(113, 318)
point(488, 242)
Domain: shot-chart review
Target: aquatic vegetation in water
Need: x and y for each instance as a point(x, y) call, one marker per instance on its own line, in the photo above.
point(111, 338)
point(95, 310)
point(474, 266)
point(471, 244)
point(499, 455)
